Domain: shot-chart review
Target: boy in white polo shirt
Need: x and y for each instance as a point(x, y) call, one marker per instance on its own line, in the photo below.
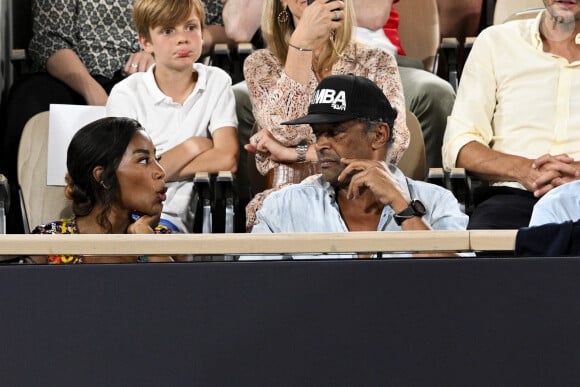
point(187, 108)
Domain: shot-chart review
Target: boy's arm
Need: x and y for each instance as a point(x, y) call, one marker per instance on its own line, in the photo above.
point(177, 158)
point(223, 156)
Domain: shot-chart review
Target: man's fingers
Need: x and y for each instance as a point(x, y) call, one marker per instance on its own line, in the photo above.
point(357, 185)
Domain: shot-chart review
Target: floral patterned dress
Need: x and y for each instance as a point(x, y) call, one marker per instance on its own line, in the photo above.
point(63, 226)
point(69, 226)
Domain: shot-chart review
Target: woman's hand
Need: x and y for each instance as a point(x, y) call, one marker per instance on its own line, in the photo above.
point(316, 22)
point(138, 62)
point(145, 224)
point(264, 143)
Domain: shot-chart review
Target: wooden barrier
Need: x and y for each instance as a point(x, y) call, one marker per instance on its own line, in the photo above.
point(218, 244)
point(492, 240)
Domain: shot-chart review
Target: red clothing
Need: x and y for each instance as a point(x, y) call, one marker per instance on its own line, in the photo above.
point(392, 29)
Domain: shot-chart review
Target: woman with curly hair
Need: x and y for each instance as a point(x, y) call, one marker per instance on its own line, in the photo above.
point(116, 186)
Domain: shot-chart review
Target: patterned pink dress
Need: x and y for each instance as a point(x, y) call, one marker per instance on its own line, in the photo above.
point(277, 98)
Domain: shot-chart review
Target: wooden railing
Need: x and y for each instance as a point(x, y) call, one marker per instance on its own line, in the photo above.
point(228, 244)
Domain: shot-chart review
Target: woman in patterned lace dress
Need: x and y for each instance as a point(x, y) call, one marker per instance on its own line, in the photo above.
point(306, 43)
point(113, 177)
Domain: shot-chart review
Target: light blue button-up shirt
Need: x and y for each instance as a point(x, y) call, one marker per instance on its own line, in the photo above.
point(558, 206)
point(312, 207)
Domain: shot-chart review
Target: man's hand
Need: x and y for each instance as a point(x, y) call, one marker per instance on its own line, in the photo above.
point(376, 177)
point(552, 171)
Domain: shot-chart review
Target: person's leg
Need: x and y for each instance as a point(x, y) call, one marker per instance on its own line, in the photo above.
point(431, 99)
point(502, 208)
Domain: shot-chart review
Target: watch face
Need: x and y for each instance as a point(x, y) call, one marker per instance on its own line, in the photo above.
point(419, 207)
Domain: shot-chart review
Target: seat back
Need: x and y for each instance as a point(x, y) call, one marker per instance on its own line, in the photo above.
point(529, 13)
point(459, 18)
point(40, 203)
point(419, 30)
point(413, 161)
point(508, 9)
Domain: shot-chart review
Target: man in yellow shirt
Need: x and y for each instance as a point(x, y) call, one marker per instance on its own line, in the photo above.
point(516, 119)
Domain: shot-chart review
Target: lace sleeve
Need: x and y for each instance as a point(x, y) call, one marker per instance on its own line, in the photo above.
point(276, 98)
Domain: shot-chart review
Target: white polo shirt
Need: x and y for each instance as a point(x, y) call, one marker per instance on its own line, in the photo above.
point(210, 106)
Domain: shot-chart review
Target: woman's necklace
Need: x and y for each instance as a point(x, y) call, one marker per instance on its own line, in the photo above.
point(319, 73)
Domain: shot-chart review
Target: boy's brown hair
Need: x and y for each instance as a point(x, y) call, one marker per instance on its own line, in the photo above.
point(164, 13)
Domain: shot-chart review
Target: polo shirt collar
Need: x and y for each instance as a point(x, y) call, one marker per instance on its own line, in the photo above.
point(158, 96)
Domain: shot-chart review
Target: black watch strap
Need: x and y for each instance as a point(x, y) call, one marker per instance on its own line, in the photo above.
point(415, 208)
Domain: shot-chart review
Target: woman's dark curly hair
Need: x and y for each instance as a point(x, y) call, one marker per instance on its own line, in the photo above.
point(100, 143)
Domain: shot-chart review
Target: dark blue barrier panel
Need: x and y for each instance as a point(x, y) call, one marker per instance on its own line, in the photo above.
point(457, 322)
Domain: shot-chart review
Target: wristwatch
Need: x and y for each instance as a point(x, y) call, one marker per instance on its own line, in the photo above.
point(415, 208)
point(301, 149)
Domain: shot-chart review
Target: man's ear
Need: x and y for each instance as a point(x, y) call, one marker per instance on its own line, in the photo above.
point(380, 136)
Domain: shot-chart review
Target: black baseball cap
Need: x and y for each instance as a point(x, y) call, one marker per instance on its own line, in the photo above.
point(339, 98)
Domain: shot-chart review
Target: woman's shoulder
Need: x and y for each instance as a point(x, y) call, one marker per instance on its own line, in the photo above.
point(262, 64)
point(364, 53)
point(62, 226)
point(262, 53)
point(261, 57)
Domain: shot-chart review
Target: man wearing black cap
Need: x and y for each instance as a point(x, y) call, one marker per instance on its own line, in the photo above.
point(351, 119)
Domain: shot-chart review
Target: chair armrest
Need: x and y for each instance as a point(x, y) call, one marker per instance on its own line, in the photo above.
point(449, 48)
point(224, 193)
point(230, 58)
point(214, 203)
point(458, 181)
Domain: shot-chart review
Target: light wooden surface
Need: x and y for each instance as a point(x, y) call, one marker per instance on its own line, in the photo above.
point(217, 244)
point(492, 240)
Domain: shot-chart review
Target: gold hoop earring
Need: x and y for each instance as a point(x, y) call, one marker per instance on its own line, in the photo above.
point(283, 17)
